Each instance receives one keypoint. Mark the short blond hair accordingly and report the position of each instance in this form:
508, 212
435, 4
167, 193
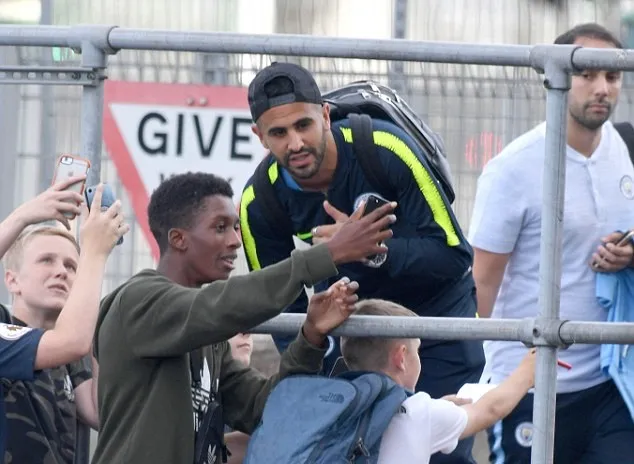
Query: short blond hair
371, 353
13, 257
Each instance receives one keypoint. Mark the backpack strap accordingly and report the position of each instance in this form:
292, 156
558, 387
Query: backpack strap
272, 209
366, 153
626, 130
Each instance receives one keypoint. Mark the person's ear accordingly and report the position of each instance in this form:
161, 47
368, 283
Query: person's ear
325, 111
11, 282
397, 356
177, 239
256, 130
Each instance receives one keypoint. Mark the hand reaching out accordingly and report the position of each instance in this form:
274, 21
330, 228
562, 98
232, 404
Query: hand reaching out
101, 229
57, 202
329, 309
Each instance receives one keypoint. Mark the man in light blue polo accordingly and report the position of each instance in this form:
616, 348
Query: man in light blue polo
593, 424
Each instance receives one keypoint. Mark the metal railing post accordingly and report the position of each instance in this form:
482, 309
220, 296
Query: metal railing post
557, 82
94, 49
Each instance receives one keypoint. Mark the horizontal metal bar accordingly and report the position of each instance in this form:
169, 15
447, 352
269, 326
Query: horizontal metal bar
452, 328
621, 333
35, 36
50, 69
613, 59
440, 328
12, 81
376, 49
57, 75
308, 45
333, 47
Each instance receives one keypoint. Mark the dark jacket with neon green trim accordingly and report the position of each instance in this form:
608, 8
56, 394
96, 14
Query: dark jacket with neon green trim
429, 260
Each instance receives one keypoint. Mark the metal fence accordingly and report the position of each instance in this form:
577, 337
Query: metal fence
547, 331
476, 116
477, 109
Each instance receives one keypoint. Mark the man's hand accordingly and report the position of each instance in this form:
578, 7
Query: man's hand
362, 236
322, 234
54, 203
612, 258
101, 230
329, 309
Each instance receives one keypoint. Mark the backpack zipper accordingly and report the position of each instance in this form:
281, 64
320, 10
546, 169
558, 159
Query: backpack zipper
358, 447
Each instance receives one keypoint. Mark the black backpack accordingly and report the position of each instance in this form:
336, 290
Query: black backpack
5, 315
626, 131
361, 101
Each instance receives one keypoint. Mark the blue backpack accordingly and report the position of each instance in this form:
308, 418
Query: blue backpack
321, 420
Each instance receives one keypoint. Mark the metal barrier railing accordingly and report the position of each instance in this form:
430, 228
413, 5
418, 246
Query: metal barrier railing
556, 62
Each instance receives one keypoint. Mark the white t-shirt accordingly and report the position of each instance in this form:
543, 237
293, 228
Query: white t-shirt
599, 199
425, 427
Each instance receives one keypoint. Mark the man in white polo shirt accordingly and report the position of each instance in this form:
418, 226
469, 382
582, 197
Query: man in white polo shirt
593, 424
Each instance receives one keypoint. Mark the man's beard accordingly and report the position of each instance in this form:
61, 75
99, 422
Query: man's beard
308, 171
592, 123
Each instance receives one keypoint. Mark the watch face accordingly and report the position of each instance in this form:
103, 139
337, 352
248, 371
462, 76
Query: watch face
376, 260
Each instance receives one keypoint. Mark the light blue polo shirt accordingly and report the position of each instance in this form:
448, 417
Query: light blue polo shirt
599, 199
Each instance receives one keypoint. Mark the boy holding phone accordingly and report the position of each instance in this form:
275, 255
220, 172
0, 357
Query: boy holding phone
56, 294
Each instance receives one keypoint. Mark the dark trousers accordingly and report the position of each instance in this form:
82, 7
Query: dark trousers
592, 426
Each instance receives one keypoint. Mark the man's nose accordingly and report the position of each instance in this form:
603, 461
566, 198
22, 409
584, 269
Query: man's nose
235, 239
61, 271
295, 142
601, 87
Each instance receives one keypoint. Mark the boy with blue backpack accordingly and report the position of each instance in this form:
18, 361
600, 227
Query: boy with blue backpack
370, 413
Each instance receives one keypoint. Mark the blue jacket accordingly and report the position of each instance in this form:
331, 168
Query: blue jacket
429, 259
615, 292
18, 349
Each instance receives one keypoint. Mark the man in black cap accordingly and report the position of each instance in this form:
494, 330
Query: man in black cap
318, 180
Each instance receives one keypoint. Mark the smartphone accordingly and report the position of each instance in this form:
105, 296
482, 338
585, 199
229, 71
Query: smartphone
68, 166
373, 203
623, 240
627, 236
107, 199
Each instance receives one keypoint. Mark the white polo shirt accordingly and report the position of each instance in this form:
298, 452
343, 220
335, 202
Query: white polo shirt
599, 199
426, 426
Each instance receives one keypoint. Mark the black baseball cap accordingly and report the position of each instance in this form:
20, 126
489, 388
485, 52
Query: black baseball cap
304, 88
